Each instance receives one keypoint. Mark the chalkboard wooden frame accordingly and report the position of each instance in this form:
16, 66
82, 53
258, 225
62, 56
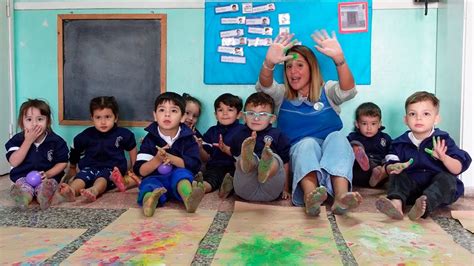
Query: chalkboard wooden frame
64, 18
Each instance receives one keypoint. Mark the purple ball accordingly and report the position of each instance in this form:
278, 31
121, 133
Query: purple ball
164, 169
33, 178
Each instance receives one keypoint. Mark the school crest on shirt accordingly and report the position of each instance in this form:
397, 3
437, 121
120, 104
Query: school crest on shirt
117, 141
50, 155
383, 142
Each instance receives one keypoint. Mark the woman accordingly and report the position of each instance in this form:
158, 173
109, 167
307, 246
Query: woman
321, 156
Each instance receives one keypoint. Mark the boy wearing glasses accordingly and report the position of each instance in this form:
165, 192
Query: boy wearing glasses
220, 164
262, 153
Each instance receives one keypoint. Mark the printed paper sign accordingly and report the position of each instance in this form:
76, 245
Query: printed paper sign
259, 30
227, 9
233, 41
259, 42
231, 50
233, 59
353, 17
258, 21
235, 20
232, 33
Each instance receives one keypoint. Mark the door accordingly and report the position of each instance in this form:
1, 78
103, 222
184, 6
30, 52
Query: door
5, 84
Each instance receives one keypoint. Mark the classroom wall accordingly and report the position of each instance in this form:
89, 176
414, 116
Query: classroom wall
403, 60
449, 58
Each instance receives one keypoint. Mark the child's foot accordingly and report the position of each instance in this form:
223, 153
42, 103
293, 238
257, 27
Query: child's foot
134, 177
64, 193
265, 164
150, 201
348, 201
46, 193
199, 177
247, 162
192, 201
90, 194
378, 174
313, 201
361, 157
387, 207
227, 186
21, 198
118, 180
417, 211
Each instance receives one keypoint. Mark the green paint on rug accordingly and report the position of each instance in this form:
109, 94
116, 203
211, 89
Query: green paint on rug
262, 251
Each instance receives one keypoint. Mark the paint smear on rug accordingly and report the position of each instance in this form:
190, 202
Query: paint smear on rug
32, 246
170, 237
275, 235
466, 218
375, 239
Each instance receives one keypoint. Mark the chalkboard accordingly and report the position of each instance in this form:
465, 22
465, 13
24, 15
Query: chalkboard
120, 55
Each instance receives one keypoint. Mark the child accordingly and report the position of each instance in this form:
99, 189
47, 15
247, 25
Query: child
98, 151
370, 146
219, 164
192, 113
262, 153
168, 142
422, 163
36, 148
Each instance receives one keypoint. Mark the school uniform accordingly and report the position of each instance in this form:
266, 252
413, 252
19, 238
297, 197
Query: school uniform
183, 145
97, 153
219, 163
40, 157
246, 185
376, 148
426, 175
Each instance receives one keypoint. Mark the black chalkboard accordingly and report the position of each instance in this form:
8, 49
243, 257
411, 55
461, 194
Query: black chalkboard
120, 55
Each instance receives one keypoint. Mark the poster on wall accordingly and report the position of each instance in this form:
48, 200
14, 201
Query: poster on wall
238, 34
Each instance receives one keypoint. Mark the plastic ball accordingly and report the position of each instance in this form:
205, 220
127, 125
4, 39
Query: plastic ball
33, 178
164, 169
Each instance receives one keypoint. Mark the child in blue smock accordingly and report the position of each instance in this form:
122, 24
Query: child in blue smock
370, 145
36, 148
423, 163
99, 153
171, 143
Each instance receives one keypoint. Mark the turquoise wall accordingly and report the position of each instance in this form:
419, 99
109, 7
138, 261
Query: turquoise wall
403, 61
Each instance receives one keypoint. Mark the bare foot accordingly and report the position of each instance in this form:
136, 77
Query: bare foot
117, 178
150, 201
417, 211
226, 186
388, 207
90, 194
247, 161
265, 165
22, 198
313, 201
64, 193
134, 177
46, 193
348, 201
378, 174
192, 201
199, 177
361, 157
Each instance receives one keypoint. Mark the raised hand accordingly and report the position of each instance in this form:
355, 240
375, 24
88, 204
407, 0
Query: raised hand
277, 50
397, 168
328, 45
439, 148
222, 146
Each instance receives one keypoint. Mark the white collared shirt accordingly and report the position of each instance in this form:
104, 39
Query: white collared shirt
169, 140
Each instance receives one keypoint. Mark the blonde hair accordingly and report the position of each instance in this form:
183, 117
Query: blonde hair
316, 78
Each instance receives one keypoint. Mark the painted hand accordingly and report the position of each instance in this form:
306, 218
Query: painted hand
439, 148
397, 168
277, 50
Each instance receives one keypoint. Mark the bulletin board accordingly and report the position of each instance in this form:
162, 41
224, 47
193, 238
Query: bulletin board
120, 55
238, 61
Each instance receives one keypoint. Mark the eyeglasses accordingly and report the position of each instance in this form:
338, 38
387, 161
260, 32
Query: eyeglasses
261, 115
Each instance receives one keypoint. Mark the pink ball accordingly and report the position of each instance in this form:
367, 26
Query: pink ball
165, 169
33, 178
